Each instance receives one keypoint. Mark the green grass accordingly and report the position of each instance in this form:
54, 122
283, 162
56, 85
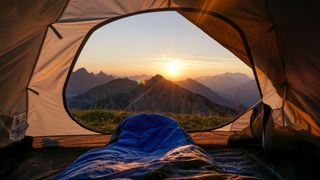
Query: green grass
106, 121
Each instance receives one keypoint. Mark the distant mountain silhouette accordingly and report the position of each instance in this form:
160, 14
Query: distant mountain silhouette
236, 88
156, 95
203, 90
224, 81
81, 80
245, 93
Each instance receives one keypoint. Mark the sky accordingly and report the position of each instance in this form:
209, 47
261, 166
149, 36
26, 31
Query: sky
157, 43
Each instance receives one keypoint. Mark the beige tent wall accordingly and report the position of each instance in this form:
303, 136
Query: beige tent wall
17, 73
79, 10
239, 124
22, 30
220, 31
270, 95
47, 115
281, 36
46, 104
298, 39
21, 33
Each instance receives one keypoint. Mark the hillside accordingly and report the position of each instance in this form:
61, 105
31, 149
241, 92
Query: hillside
200, 89
110, 94
156, 95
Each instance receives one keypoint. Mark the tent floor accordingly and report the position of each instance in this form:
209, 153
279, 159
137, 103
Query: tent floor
247, 160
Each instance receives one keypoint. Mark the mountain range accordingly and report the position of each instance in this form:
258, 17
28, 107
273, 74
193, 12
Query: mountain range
157, 94
224, 81
81, 81
245, 94
235, 90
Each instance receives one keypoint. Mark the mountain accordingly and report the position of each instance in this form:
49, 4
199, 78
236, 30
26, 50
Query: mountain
103, 77
139, 77
229, 89
111, 93
201, 89
156, 95
81, 80
224, 81
236, 88
245, 93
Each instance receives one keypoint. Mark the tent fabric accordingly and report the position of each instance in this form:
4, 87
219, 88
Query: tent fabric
265, 25
238, 124
78, 10
149, 146
278, 39
22, 30
38, 113
48, 80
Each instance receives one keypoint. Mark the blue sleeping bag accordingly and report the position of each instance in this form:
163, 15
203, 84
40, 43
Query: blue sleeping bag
145, 146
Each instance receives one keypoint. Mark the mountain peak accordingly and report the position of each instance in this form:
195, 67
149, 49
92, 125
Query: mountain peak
81, 80
101, 73
236, 75
154, 80
191, 80
82, 70
157, 77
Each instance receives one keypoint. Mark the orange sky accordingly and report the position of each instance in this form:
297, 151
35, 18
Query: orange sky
157, 43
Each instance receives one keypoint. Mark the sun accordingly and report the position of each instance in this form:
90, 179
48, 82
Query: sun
172, 69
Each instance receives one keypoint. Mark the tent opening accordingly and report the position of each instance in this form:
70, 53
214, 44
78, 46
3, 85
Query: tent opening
158, 62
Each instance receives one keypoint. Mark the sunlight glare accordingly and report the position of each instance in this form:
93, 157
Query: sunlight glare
172, 69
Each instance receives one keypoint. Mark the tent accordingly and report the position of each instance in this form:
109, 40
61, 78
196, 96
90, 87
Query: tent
40, 42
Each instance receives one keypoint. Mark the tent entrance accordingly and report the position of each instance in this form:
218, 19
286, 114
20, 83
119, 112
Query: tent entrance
176, 69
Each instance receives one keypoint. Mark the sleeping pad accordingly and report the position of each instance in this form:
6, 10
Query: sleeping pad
146, 146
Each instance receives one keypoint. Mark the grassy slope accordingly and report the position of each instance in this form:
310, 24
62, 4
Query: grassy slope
106, 121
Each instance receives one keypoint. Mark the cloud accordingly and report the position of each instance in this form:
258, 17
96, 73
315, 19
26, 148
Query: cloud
191, 62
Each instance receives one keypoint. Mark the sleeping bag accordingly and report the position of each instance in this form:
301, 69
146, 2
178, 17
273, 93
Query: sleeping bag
146, 146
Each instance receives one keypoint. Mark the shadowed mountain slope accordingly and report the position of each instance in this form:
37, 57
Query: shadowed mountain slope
155, 95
